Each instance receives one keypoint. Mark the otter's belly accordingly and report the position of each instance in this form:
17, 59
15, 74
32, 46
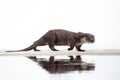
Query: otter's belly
62, 43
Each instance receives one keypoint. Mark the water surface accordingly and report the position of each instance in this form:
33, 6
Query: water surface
22, 68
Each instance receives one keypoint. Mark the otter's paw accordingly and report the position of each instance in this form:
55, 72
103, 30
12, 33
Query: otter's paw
70, 49
81, 50
55, 50
36, 50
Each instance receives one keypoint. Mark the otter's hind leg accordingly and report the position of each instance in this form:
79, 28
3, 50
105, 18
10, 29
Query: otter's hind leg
51, 45
71, 47
51, 39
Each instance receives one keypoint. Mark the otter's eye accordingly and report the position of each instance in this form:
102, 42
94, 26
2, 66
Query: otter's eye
92, 39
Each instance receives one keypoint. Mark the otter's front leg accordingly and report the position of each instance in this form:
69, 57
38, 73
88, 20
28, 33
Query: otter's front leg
71, 43
79, 48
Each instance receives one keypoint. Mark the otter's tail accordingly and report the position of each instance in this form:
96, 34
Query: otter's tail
39, 42
26, 49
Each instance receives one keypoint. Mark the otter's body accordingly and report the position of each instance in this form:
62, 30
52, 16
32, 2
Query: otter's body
61, 37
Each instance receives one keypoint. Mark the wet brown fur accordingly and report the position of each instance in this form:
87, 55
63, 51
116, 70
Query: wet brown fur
61, 37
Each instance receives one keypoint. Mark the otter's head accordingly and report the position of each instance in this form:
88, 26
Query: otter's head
90, 38
86, 37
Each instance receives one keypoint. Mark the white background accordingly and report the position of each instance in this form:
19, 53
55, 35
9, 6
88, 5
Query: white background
24, 21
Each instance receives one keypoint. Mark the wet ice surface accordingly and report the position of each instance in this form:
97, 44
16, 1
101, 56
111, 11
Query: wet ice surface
22, 68
63, 65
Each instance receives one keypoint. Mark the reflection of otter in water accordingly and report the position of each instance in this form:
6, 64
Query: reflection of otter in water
62, 37
64, 65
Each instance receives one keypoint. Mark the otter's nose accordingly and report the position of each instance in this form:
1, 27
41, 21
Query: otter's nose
93, 40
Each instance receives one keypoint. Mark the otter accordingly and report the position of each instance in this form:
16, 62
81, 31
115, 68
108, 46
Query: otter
61, 37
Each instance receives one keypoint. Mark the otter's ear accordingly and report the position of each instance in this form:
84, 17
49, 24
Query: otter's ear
82, 35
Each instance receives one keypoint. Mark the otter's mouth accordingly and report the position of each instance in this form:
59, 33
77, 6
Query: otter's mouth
92, 41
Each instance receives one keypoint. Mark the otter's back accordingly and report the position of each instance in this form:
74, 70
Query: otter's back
62, 36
